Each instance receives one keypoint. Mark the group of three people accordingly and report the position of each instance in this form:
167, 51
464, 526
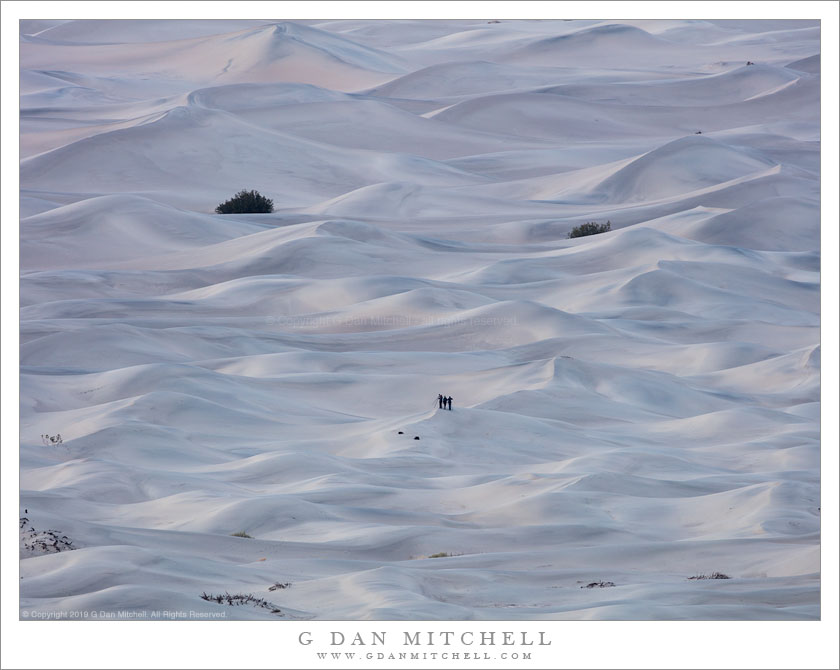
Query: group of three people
444, 402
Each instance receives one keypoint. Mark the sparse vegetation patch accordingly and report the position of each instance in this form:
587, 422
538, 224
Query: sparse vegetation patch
246, 202
37, 542
600, 585
241, 599
589, 228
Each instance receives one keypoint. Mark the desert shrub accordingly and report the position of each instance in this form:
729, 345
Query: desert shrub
279, 585
42, 541
589, 228
445, 554
599, 584
240, 533
246, 202
714, 575
240, 599
440, 554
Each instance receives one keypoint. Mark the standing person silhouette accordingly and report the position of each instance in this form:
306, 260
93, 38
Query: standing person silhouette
440, 401
449, 402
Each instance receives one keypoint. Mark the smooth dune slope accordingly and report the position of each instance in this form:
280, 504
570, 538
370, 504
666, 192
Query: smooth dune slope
239, 398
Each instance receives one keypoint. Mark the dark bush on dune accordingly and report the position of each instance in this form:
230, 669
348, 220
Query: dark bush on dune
589, 228
598, 584
241, 599
246, 202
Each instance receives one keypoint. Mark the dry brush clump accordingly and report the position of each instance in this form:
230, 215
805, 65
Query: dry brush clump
600, 585
39, 542
240, 599
589, 228
445, 554
714, 575
246, 202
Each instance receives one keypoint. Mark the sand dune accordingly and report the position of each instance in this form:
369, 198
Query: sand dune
68, 236
608, 43
639, 406
121, 160
463, 79
736, 85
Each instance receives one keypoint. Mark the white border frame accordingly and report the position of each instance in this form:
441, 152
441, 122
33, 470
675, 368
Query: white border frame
274, 645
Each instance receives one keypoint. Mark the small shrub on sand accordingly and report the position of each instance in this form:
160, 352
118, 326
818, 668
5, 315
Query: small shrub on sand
240, 599
37, 542
246, 202
600, 585
589, 228
240, 533
714, 575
